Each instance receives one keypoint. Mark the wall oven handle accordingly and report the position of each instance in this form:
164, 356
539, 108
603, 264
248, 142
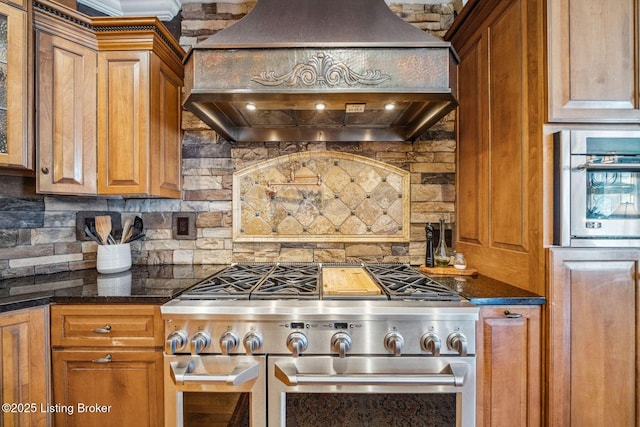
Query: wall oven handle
182, 373
289, 375
609, 166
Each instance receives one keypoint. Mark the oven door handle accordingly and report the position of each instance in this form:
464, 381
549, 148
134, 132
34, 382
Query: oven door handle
182, 373
590, 165
289, 375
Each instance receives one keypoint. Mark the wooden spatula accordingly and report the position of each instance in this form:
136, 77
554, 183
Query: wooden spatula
126, 230
103, 227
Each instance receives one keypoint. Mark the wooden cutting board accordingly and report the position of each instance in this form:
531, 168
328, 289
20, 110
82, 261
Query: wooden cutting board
348, 281
448, 271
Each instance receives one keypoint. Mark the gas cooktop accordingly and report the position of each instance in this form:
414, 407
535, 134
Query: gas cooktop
303, 281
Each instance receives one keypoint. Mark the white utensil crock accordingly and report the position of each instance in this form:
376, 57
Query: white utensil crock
113, 258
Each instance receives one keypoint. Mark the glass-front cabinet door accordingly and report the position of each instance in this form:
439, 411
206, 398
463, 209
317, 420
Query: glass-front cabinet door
15, 97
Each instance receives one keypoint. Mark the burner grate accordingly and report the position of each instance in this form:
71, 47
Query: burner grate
403, 282
269, 281
235, 282
290, 281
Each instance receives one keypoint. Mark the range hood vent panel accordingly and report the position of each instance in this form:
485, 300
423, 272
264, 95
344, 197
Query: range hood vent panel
285, 57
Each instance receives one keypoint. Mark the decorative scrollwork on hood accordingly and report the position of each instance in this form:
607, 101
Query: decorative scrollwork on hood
321, 70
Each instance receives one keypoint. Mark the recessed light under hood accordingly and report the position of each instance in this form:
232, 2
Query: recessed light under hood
378, 77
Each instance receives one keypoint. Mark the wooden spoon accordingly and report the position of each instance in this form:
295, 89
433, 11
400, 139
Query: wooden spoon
103, 227
126, 230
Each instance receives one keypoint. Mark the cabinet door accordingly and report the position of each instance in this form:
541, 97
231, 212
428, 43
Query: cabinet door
125, 386
165, 144
509, 366
593, 338
123, 122
499, 167
16, 142
24, 365
66, 96
593, 61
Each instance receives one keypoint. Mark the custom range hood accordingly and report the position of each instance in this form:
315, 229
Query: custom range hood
267, 77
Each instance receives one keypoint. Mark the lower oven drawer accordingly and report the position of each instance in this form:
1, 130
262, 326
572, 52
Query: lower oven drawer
215, 390
379, 390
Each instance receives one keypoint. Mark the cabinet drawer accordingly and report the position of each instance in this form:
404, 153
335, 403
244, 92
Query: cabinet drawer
111, 325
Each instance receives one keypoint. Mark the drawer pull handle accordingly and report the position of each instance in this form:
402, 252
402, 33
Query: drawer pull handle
105, 359
511, 315
105, 330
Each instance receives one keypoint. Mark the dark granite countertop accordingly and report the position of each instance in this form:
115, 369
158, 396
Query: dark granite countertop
483, 290
157, 284
143, 284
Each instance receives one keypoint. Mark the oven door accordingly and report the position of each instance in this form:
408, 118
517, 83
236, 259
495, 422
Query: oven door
604, 200
378, 390
214, 390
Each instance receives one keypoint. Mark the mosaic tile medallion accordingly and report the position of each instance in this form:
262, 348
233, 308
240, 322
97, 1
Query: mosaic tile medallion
321, 196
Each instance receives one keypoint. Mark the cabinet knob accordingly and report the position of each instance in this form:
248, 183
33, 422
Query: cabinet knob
45, 170
511, 315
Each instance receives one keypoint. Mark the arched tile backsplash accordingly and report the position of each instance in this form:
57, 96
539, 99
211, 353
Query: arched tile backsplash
322, 196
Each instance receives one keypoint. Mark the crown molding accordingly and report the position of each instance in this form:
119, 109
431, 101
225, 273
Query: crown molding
165, 10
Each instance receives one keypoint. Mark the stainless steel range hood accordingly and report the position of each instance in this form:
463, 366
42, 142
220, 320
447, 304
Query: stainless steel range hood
355, 57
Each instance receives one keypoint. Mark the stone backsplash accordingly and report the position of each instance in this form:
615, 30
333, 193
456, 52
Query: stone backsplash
38, 233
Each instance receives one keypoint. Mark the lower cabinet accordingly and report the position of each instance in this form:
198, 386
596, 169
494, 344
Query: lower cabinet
24, 367
107, 365
509, 366
108, 387
594, 341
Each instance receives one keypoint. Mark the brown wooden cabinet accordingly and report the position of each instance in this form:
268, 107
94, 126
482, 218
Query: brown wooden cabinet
108, 97
24, 366
509, 366
593, 61
66, 123
594, 322
110, 356
499, 162
134, 158
16, 111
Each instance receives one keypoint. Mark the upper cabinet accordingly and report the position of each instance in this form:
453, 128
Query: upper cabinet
66, 120
108, 102
16, 94
593, 61
499, 167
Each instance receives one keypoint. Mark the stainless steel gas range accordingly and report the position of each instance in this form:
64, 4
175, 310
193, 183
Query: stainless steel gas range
267, 344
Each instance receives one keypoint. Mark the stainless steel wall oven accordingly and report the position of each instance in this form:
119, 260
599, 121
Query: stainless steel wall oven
597, 185
265, 341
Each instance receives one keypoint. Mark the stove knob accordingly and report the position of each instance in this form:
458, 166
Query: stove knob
341, 343
456, 341
297, 343
252, 342
175, 341
430, 342
200, 341
393, 342
228, 342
